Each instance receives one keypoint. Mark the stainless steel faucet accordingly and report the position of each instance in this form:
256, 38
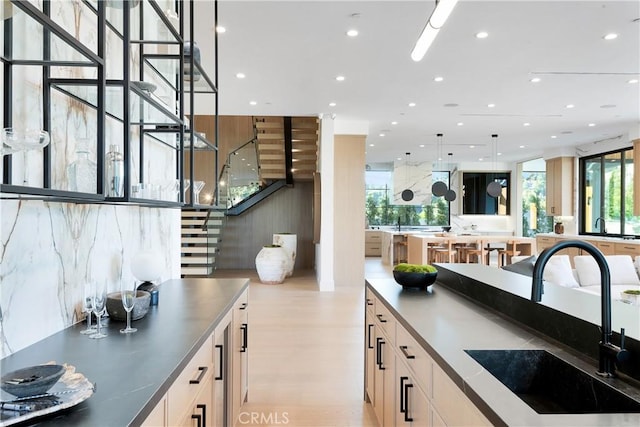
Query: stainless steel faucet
603, 227
609, 353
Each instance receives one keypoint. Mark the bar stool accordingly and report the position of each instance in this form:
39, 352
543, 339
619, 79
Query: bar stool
446, 253
504, 255
476, 251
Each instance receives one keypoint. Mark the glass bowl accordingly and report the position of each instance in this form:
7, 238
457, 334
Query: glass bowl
25, 139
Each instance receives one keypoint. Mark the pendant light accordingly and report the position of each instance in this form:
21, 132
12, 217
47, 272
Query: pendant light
407, 195
439, 188
450, 195
494, 189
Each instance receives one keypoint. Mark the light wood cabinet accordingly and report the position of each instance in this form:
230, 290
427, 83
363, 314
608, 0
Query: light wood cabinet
158, 416
409, 388
222, 354
373, 243
544, 242
240, 359
607, 248
627, 249
560, 186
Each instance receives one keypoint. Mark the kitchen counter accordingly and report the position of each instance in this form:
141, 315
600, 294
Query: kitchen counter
445, 324
132, 372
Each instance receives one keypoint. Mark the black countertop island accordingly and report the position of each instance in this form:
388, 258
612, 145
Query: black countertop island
133, 371
446, 324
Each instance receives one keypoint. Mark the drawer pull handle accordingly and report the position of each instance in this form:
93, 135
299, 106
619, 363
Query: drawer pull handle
369, 302
203, 371
243, 306
407, 418
379, 343
369, 336
220, 362
197, 417
204, 414
379, 316
403, 349
245, 340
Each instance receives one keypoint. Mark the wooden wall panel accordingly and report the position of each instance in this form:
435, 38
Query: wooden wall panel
349, 166
289, 210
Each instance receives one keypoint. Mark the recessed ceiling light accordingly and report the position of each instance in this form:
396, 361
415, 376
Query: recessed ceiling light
352, 33
535, 80
460, 124
591, 125
372, 145
340, 78
332, 104
482, 35
472, 146
553, 136
522, 146
491, 105
394, 123
382, 134
632, 81
421, 145
438, 79
399, 158
569, 106
610, 36
526, 124
480, 159
412, 104
240, 75
499, 154
253, 103
221, 29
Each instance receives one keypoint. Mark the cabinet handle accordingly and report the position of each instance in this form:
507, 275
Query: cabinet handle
197, 417
203, 370
369, 302
407, 418
379, 343
630, 248
221, 362
402, 401
243, 306
204, 414
245, 332
379, 316
369, 336
403, 349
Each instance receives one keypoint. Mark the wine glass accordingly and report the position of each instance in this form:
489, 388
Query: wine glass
99, 307
186, 187
87, 307
197, 188
25, 140
128, 292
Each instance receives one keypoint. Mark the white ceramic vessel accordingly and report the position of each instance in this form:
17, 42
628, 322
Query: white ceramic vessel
289, 243
271, 264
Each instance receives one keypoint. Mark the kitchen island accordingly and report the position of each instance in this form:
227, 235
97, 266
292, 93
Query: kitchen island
133, 373
444, 324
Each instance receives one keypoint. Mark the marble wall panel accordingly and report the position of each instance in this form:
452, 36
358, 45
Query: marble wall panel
414, 176
49, 250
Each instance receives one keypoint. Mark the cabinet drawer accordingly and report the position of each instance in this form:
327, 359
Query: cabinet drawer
190, 382
373, 249
373, 236
607, 248
386, 321
415, 357
627, 249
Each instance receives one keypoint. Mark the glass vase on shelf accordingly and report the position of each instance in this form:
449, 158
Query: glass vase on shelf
83, 171
115, 172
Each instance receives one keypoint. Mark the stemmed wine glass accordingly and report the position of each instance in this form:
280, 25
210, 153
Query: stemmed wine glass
186, 187
197, 187
87, 307
99, 307
25, 140
128, 292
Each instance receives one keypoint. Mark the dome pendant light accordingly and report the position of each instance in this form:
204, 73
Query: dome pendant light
439, 188
494, 189
450, 195
407, 195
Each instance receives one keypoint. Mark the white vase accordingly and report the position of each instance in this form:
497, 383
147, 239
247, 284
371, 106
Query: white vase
271, 264
289, 243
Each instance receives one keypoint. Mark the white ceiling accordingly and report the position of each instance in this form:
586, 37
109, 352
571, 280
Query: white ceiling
291, 52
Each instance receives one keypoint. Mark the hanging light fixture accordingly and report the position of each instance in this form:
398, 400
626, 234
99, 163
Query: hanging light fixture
450, 195
437, 19
407, 195
494, 189
439, 188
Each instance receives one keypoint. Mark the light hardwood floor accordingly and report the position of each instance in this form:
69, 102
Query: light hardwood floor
306, 363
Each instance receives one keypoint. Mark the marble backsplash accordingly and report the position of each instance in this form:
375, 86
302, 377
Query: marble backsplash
50, 249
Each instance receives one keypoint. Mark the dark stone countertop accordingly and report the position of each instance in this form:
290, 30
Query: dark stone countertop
132, 372
446, 323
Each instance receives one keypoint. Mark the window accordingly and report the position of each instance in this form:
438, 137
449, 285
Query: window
534, 199
606, 194
380, 211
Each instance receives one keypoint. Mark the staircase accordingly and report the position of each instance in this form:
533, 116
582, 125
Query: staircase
200, 247
272, 139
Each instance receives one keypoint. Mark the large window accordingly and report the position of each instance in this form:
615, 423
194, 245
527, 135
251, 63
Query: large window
606, 194
380, 210
534, 197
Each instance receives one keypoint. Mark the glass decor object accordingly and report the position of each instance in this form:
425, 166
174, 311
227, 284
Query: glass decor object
25, 140
82, 173
197, 188
191, 48
128, 293
115, 172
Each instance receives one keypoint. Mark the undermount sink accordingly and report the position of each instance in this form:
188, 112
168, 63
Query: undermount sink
550, 385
